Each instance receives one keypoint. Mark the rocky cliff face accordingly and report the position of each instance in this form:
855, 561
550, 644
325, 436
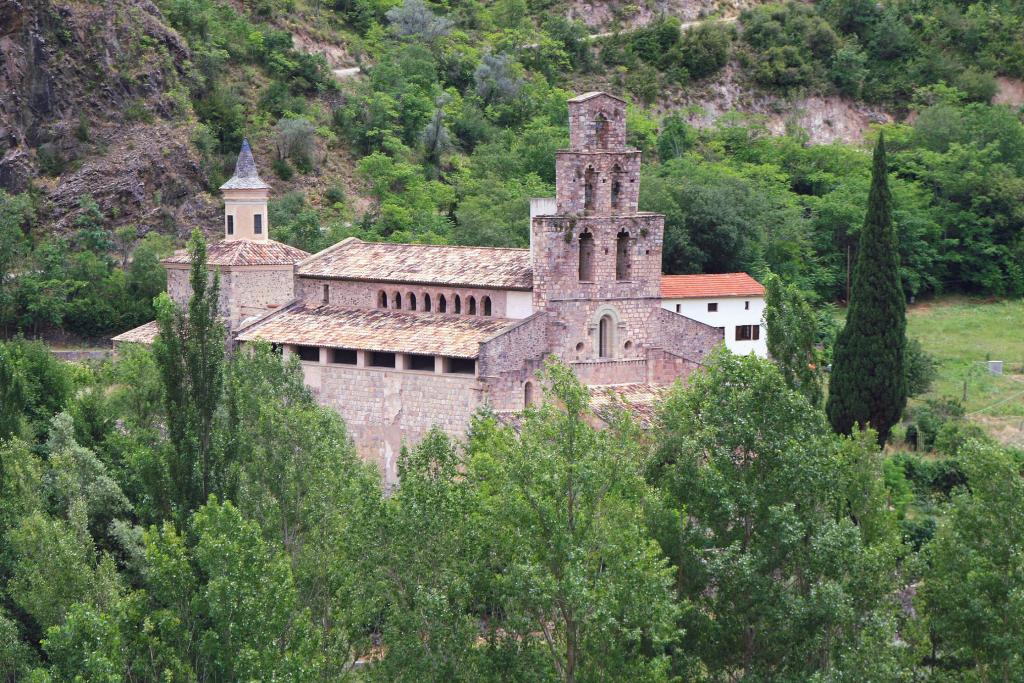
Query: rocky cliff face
93, 100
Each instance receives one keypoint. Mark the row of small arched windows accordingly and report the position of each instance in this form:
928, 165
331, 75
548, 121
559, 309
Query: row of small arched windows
410, 302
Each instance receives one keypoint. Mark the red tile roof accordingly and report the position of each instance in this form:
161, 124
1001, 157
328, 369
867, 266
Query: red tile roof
704, 286
424, 264
245, 253
377, 330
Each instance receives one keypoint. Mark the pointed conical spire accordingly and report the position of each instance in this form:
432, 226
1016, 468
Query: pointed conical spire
246, 177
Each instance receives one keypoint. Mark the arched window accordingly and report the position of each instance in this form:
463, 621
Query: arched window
486, 304
442, 304
601, 131
587, 257
458, 304
622, 264
616, 185
426, 301
528, 394
398, 300
604, 336
471, 305
589, 178
411, 299
382, 299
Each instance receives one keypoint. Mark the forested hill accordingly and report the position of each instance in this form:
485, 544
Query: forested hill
437, 121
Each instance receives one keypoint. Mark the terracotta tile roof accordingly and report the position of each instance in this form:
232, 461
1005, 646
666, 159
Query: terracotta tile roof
245, 253
701, 286
425, 264
143, 334
641, 400
377, 330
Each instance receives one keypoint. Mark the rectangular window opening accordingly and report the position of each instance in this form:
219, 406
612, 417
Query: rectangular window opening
310, 354
419, 361
461, 366
327, 294
257, 224
380, 359
748, 332
679, 308
713, 308
231, 225
343, 356
746, 305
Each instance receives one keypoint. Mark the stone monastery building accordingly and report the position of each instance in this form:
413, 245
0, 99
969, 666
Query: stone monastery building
401, 337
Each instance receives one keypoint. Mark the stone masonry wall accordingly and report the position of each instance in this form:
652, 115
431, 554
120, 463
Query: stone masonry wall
510, 360
684, 336
385, 409
355, 294
243, 291
557, 257
604, 168
583, 128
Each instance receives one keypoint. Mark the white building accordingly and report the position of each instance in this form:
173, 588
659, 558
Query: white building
733, 302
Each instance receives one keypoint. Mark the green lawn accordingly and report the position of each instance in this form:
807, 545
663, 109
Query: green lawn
964, 333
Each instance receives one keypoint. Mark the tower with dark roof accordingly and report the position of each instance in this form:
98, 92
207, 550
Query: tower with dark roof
245, 200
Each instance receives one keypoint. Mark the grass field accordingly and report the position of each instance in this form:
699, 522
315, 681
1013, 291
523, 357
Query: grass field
964, 333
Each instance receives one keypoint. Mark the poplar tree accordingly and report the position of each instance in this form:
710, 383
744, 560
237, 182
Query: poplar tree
189, 352
868, 384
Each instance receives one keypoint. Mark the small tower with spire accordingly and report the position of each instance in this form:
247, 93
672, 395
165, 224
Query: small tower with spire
245, 200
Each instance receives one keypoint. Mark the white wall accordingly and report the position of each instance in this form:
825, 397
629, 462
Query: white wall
732, 311
518, 304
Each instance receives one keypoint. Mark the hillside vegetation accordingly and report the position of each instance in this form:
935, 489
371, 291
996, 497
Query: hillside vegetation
128, 117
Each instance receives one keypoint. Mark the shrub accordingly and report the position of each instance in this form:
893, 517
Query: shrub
282, 169
920, 367
704, 50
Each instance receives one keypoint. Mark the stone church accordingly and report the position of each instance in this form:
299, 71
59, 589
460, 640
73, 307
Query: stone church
401, 337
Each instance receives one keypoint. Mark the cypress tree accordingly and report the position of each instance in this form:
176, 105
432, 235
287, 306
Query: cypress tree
868, 385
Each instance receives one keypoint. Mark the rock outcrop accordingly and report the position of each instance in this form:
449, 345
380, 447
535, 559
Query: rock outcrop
93, 101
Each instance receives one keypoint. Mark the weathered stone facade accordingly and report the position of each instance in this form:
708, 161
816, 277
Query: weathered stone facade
377, 344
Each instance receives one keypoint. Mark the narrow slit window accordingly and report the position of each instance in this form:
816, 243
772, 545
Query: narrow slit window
412, 301
471, 305
426, 302
442, 304
586, 257
397, 298
231, 225
257, 224
326, 298
589, 178
604, 337
458, 304
382, 299
486, 303
623, 267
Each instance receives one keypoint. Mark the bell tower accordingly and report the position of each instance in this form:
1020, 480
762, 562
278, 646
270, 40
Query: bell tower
596, 244
245, 201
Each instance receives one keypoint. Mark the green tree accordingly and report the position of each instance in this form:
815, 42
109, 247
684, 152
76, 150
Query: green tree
189, 351
16, 214
973, 588
792, 338
256, 627
564, 507
868, 385
767, 523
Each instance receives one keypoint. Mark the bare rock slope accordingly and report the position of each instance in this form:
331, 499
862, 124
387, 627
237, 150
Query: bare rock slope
92, 100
